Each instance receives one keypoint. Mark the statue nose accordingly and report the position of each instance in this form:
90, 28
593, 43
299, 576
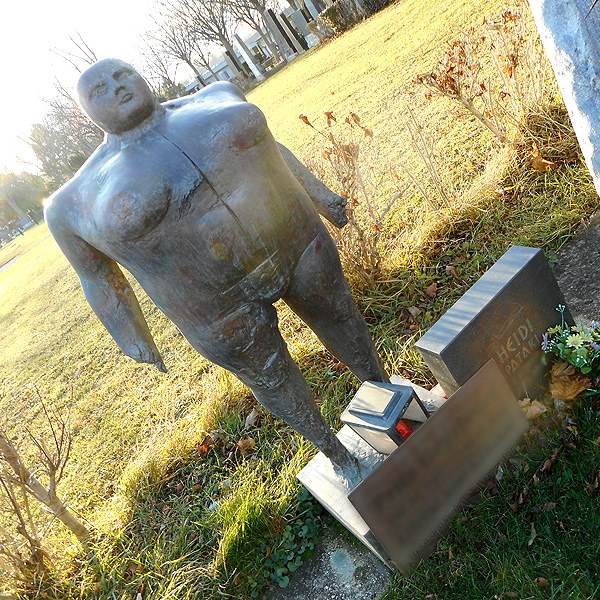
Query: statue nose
119, 89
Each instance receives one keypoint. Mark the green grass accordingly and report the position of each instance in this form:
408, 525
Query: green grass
23, 243
183, 516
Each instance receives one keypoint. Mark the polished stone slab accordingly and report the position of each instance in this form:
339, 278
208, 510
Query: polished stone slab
409, 497
502, 316
319, 478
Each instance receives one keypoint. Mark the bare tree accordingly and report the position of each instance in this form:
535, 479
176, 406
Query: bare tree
203, 56
173, 38
80, 58
157, 72
64, 139
53, 458
207, 20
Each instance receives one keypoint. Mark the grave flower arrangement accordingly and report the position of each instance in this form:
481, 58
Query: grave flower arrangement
574, 353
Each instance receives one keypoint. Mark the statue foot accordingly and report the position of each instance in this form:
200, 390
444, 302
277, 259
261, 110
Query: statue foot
349, 472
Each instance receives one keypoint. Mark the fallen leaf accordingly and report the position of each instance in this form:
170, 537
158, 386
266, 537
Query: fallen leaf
414, 311
355, 118
451, 270
237, 580
566, 383
431, 290
179, 487
549, 505
550, 462
541, 582
246, 444
450, 553
196, 487
532, 535
268, 552
330, 118
532, 408
492, 486
251, 418
203, 449
305, 120
368, 132
541, 164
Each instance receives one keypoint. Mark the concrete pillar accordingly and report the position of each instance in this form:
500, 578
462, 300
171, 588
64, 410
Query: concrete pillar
247, 56
291, 34
233, 66
300, 22
571, 38
312, 9
285, 48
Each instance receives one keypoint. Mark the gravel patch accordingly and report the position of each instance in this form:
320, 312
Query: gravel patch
341, 569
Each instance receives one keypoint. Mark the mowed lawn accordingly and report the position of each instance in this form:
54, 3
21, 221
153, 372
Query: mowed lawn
137, 433
50, 339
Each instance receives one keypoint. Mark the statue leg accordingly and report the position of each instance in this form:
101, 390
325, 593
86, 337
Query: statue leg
319, 294
248, 343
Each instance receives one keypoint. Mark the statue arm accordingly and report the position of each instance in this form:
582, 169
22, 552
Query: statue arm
110, 296
330, 205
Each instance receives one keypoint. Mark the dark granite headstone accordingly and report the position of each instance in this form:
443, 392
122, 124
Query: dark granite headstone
502, 316
407, 499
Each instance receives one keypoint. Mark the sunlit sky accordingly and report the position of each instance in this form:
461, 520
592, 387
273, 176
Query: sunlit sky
29, 31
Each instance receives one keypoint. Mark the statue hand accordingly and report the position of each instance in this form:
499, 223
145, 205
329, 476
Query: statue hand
337, 211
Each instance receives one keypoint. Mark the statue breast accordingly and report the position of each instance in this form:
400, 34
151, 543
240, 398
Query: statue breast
136, 187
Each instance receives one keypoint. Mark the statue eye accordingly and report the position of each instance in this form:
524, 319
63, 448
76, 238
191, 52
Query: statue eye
99, 90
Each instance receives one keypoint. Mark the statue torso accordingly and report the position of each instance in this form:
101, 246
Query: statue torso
202, 197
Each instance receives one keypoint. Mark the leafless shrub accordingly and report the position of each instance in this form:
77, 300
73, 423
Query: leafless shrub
21, 553
358, 242
502, 96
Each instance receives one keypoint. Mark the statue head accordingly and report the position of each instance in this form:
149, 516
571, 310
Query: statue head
115, 96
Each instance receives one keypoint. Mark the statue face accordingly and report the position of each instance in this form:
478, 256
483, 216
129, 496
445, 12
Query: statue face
115, 96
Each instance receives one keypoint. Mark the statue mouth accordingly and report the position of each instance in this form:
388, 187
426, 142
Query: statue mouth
126, 98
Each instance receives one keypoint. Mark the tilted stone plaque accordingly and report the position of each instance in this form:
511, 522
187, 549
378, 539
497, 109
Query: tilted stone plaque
407, 500
502, 316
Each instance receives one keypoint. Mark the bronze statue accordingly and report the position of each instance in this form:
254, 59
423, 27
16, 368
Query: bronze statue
215, 220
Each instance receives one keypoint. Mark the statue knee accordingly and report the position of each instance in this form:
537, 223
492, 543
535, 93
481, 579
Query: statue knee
249, 344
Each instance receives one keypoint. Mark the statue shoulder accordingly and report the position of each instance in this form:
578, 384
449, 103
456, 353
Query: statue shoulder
61, 207
213, 92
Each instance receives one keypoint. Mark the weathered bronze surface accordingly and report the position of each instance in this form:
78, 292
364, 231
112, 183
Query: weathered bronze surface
216, 221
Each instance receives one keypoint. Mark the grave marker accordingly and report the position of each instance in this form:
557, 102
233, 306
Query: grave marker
406, 501
502, 317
